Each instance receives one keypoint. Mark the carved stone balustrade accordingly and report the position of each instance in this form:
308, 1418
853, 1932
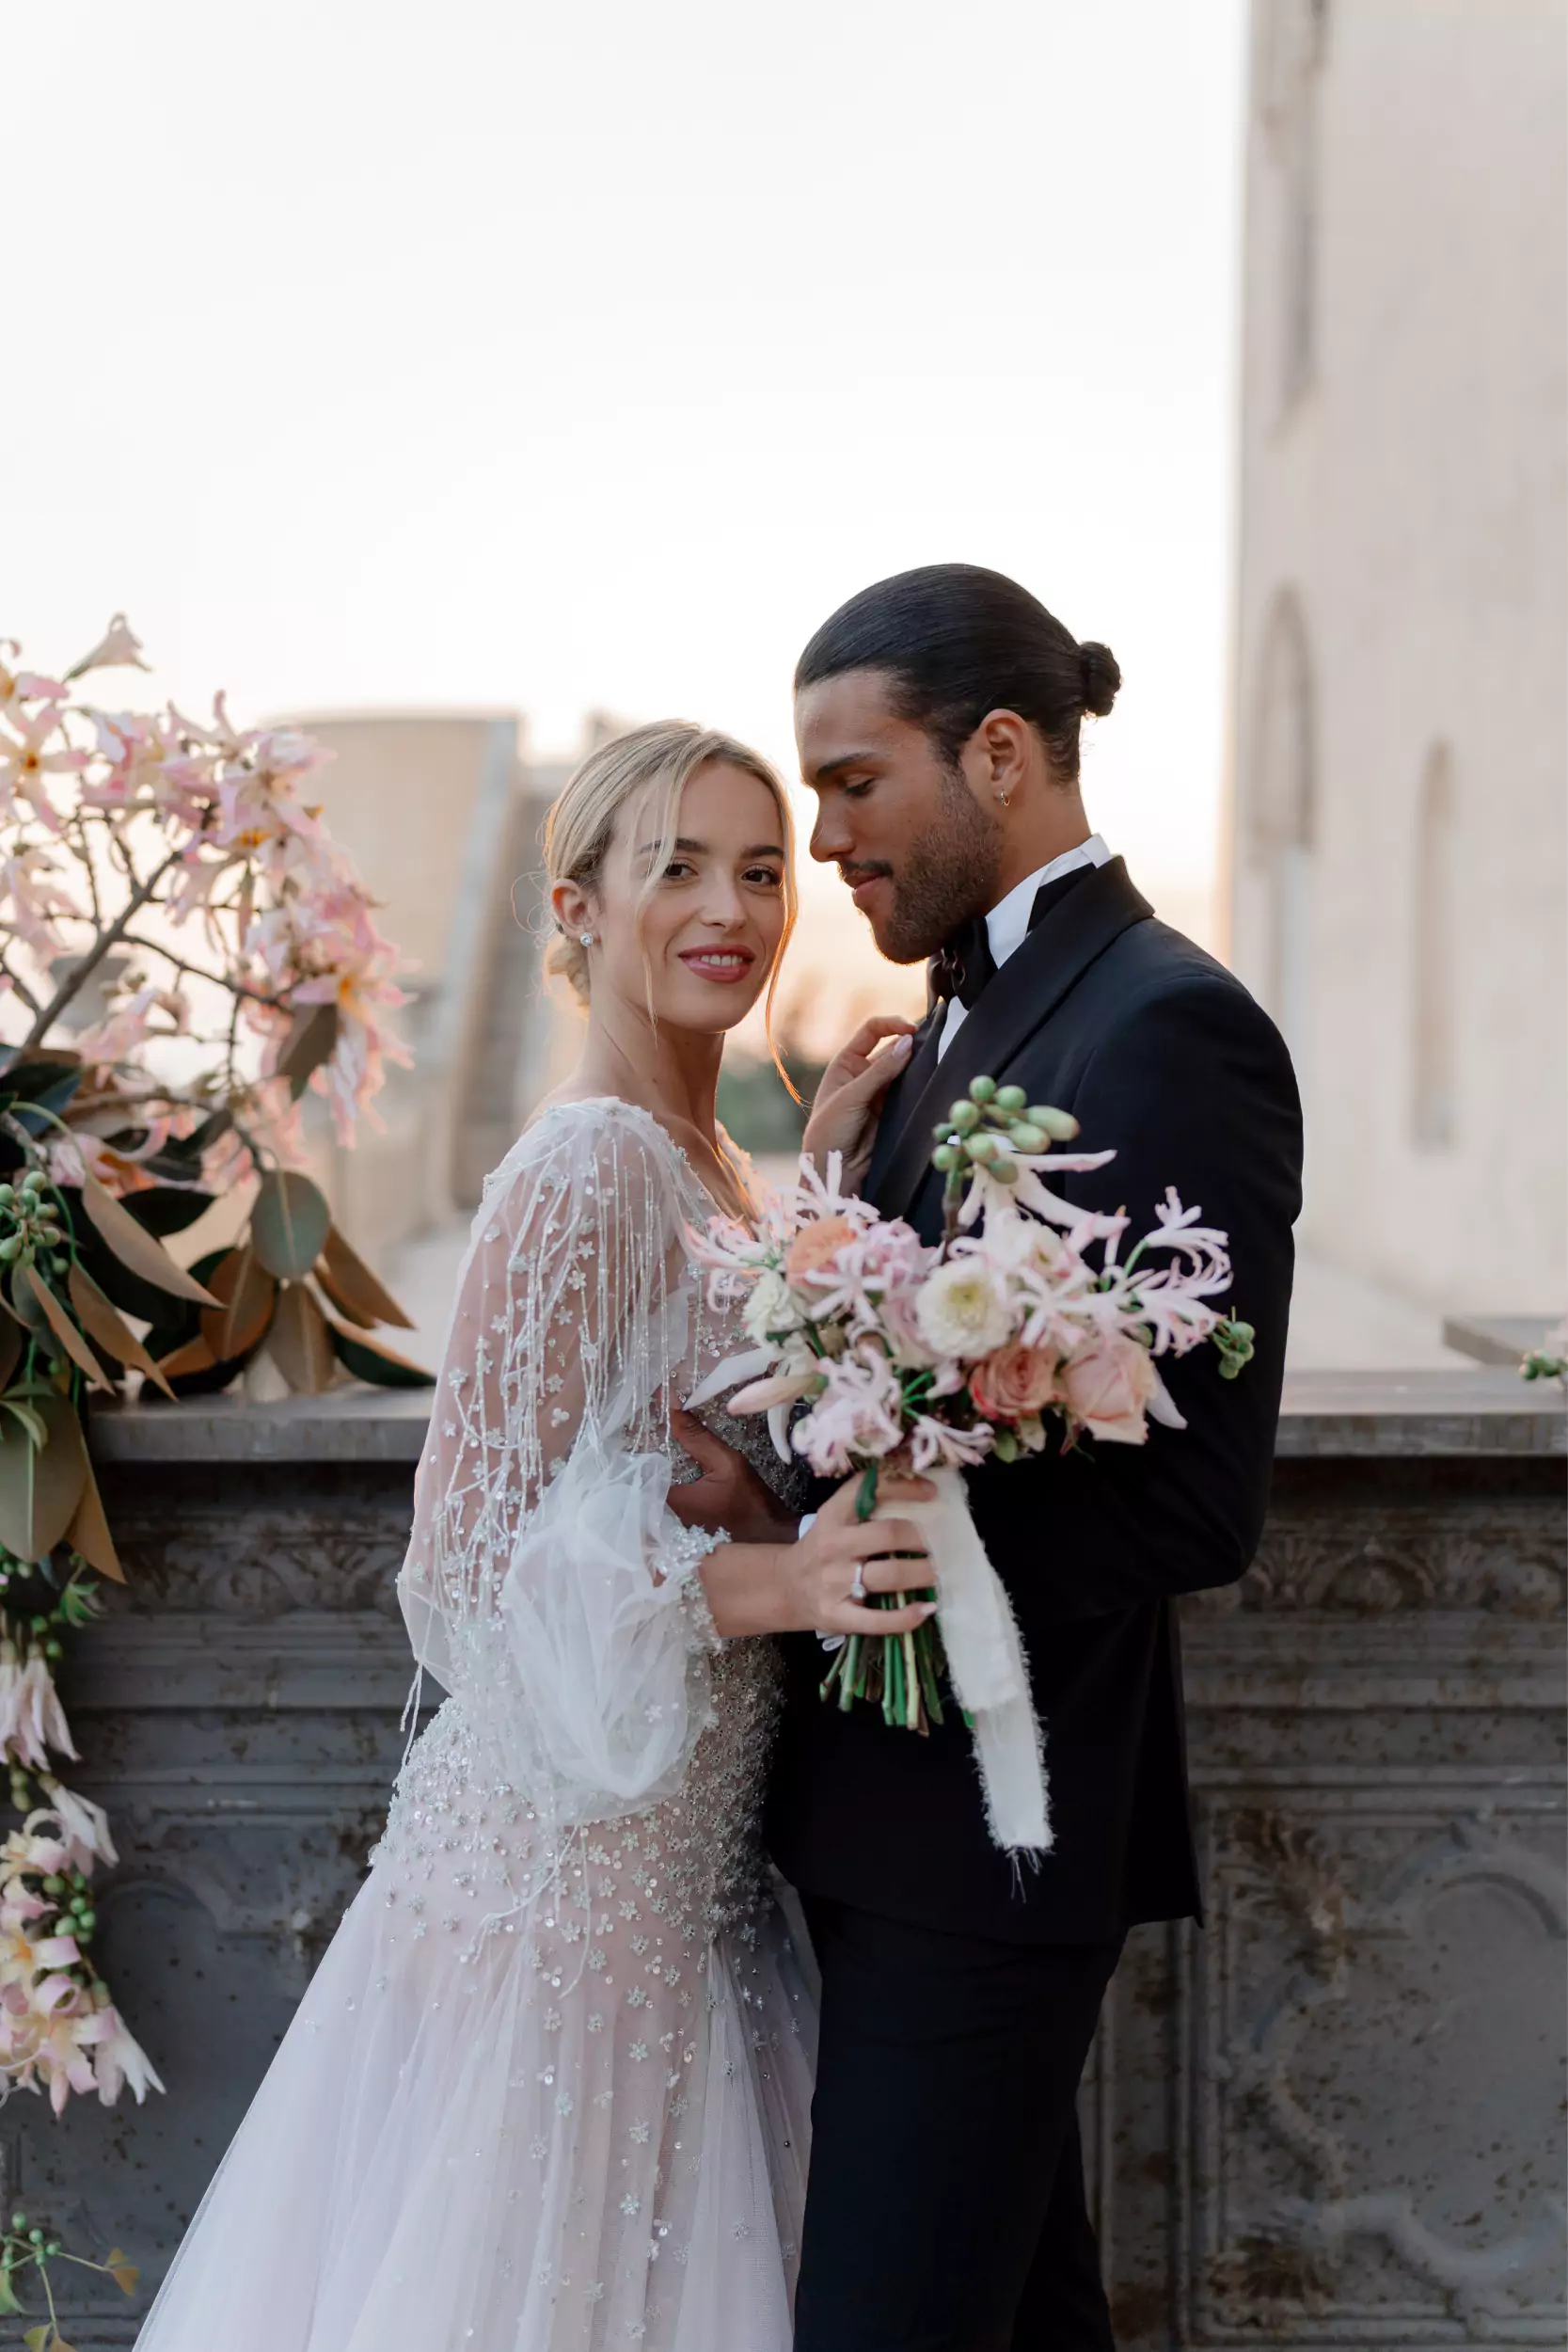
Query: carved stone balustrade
1333, 2118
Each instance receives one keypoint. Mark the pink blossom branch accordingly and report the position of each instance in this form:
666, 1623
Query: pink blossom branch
77, 978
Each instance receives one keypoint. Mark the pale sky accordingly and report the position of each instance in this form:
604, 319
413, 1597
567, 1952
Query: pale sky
378, 355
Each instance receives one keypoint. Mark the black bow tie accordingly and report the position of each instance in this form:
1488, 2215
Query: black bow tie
964, 963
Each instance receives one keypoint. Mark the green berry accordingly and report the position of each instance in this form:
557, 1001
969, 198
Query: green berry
34, 2237
1026, 1136
11, 1249
965, 1118
982, 1148
1060, 1126
87, 1922
19, 2219
8, 1195
53, 1885
942, 1132
945, 1157
981, 1090
1004, 1171
1010, 1098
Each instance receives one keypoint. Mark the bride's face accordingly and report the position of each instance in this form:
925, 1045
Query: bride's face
711, 927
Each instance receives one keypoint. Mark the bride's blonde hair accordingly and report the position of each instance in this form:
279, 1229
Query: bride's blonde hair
655, 763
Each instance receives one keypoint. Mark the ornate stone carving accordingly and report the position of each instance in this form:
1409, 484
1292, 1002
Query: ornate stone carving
1375, 2071
1374, 1561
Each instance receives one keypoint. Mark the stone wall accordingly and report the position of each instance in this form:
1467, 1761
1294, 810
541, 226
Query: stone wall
1333, 2118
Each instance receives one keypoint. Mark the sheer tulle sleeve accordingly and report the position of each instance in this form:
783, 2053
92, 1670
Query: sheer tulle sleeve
548, 1584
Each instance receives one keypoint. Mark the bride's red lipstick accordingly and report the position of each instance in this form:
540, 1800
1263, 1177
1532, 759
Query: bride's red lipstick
722, 965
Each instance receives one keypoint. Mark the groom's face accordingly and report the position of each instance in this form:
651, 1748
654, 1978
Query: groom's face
918, 847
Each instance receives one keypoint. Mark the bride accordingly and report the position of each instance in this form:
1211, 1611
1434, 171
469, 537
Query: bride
549, 2089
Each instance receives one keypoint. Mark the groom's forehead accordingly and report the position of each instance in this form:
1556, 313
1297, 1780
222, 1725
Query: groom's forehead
847, 722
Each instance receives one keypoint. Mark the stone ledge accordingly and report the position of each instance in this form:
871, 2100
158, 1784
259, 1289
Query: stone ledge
1330, 1414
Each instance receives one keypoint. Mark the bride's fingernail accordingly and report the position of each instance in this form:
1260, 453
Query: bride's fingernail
901, 1046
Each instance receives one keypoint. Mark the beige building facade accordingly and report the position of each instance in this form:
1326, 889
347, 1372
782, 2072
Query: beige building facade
1397, 827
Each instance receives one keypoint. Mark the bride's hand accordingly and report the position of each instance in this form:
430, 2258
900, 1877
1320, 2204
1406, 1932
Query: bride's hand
849, 1101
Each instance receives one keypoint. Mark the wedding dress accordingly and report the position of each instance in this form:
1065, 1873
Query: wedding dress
549, 2089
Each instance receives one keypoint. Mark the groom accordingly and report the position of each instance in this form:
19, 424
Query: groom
938, 719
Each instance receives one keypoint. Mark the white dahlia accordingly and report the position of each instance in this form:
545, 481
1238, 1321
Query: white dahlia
964, 1310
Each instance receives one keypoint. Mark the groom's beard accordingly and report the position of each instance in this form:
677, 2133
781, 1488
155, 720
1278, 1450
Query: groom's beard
949, 874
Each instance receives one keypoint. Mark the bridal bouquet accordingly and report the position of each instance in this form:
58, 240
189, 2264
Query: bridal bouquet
1030, 1318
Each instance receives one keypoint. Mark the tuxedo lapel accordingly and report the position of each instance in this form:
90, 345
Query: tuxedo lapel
907, 1087
1023, 994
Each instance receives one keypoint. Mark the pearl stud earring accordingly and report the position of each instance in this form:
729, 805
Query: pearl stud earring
585, 939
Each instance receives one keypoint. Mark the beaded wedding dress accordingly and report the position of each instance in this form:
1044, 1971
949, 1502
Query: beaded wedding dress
549, 2089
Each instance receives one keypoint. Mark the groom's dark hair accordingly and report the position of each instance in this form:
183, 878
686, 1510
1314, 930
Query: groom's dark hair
957, 642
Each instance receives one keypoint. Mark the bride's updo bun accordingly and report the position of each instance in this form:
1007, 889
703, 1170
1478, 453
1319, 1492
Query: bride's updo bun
652, 765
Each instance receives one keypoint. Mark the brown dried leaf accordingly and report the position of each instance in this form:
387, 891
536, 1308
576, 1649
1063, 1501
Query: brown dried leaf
124, 2274
248, 1291
65, 1330
102, 1322
136, 1247
90, 1534
195, 1356
299, 1342
352, 1288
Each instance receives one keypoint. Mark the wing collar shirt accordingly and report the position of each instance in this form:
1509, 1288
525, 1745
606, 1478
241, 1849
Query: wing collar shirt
1007, 924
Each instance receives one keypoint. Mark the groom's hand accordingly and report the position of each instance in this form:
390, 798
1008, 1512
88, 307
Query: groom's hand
729, 1494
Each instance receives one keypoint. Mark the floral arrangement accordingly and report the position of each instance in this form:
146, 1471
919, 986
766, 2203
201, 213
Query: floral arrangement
874, 1350
183, 949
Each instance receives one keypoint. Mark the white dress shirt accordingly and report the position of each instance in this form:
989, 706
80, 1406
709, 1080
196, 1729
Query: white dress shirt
1007, 924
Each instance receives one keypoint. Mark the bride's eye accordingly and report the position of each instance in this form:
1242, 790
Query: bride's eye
763, 876
678, 868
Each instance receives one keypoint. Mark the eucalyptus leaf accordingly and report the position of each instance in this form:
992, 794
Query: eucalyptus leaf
40, 1486
288, 1223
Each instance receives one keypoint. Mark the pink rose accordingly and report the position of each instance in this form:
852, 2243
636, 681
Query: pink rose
1107, 1388
1013, 1382
815, 1246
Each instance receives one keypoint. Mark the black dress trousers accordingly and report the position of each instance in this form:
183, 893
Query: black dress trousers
946, 2210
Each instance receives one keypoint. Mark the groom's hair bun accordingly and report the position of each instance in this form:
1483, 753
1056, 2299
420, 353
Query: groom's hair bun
957, 642
1101, 674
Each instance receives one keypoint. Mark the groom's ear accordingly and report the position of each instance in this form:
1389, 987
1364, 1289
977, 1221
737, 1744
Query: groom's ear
1000, 758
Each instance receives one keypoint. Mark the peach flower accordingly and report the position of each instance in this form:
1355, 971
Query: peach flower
1108, 1387
1013, 1382
815, 1246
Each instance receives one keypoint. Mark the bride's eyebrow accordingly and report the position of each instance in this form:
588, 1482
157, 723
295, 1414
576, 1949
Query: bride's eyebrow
700, 849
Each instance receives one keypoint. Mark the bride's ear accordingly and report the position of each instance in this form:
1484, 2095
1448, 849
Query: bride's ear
573, 909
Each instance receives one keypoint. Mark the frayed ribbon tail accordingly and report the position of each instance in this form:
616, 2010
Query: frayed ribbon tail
986, 1663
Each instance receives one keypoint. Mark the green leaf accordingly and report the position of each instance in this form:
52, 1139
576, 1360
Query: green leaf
31, 1080
167, 1208
40, 1486
8, 2295
289, 1224
369, 1360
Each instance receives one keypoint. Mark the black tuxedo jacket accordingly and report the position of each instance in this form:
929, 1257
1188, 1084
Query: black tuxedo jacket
1162, 1054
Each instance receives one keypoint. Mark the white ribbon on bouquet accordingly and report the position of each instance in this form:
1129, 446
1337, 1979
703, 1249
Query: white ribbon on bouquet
985, 1667
979, 1633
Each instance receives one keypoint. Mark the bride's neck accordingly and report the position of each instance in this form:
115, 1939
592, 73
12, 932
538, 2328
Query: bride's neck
673, 1072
